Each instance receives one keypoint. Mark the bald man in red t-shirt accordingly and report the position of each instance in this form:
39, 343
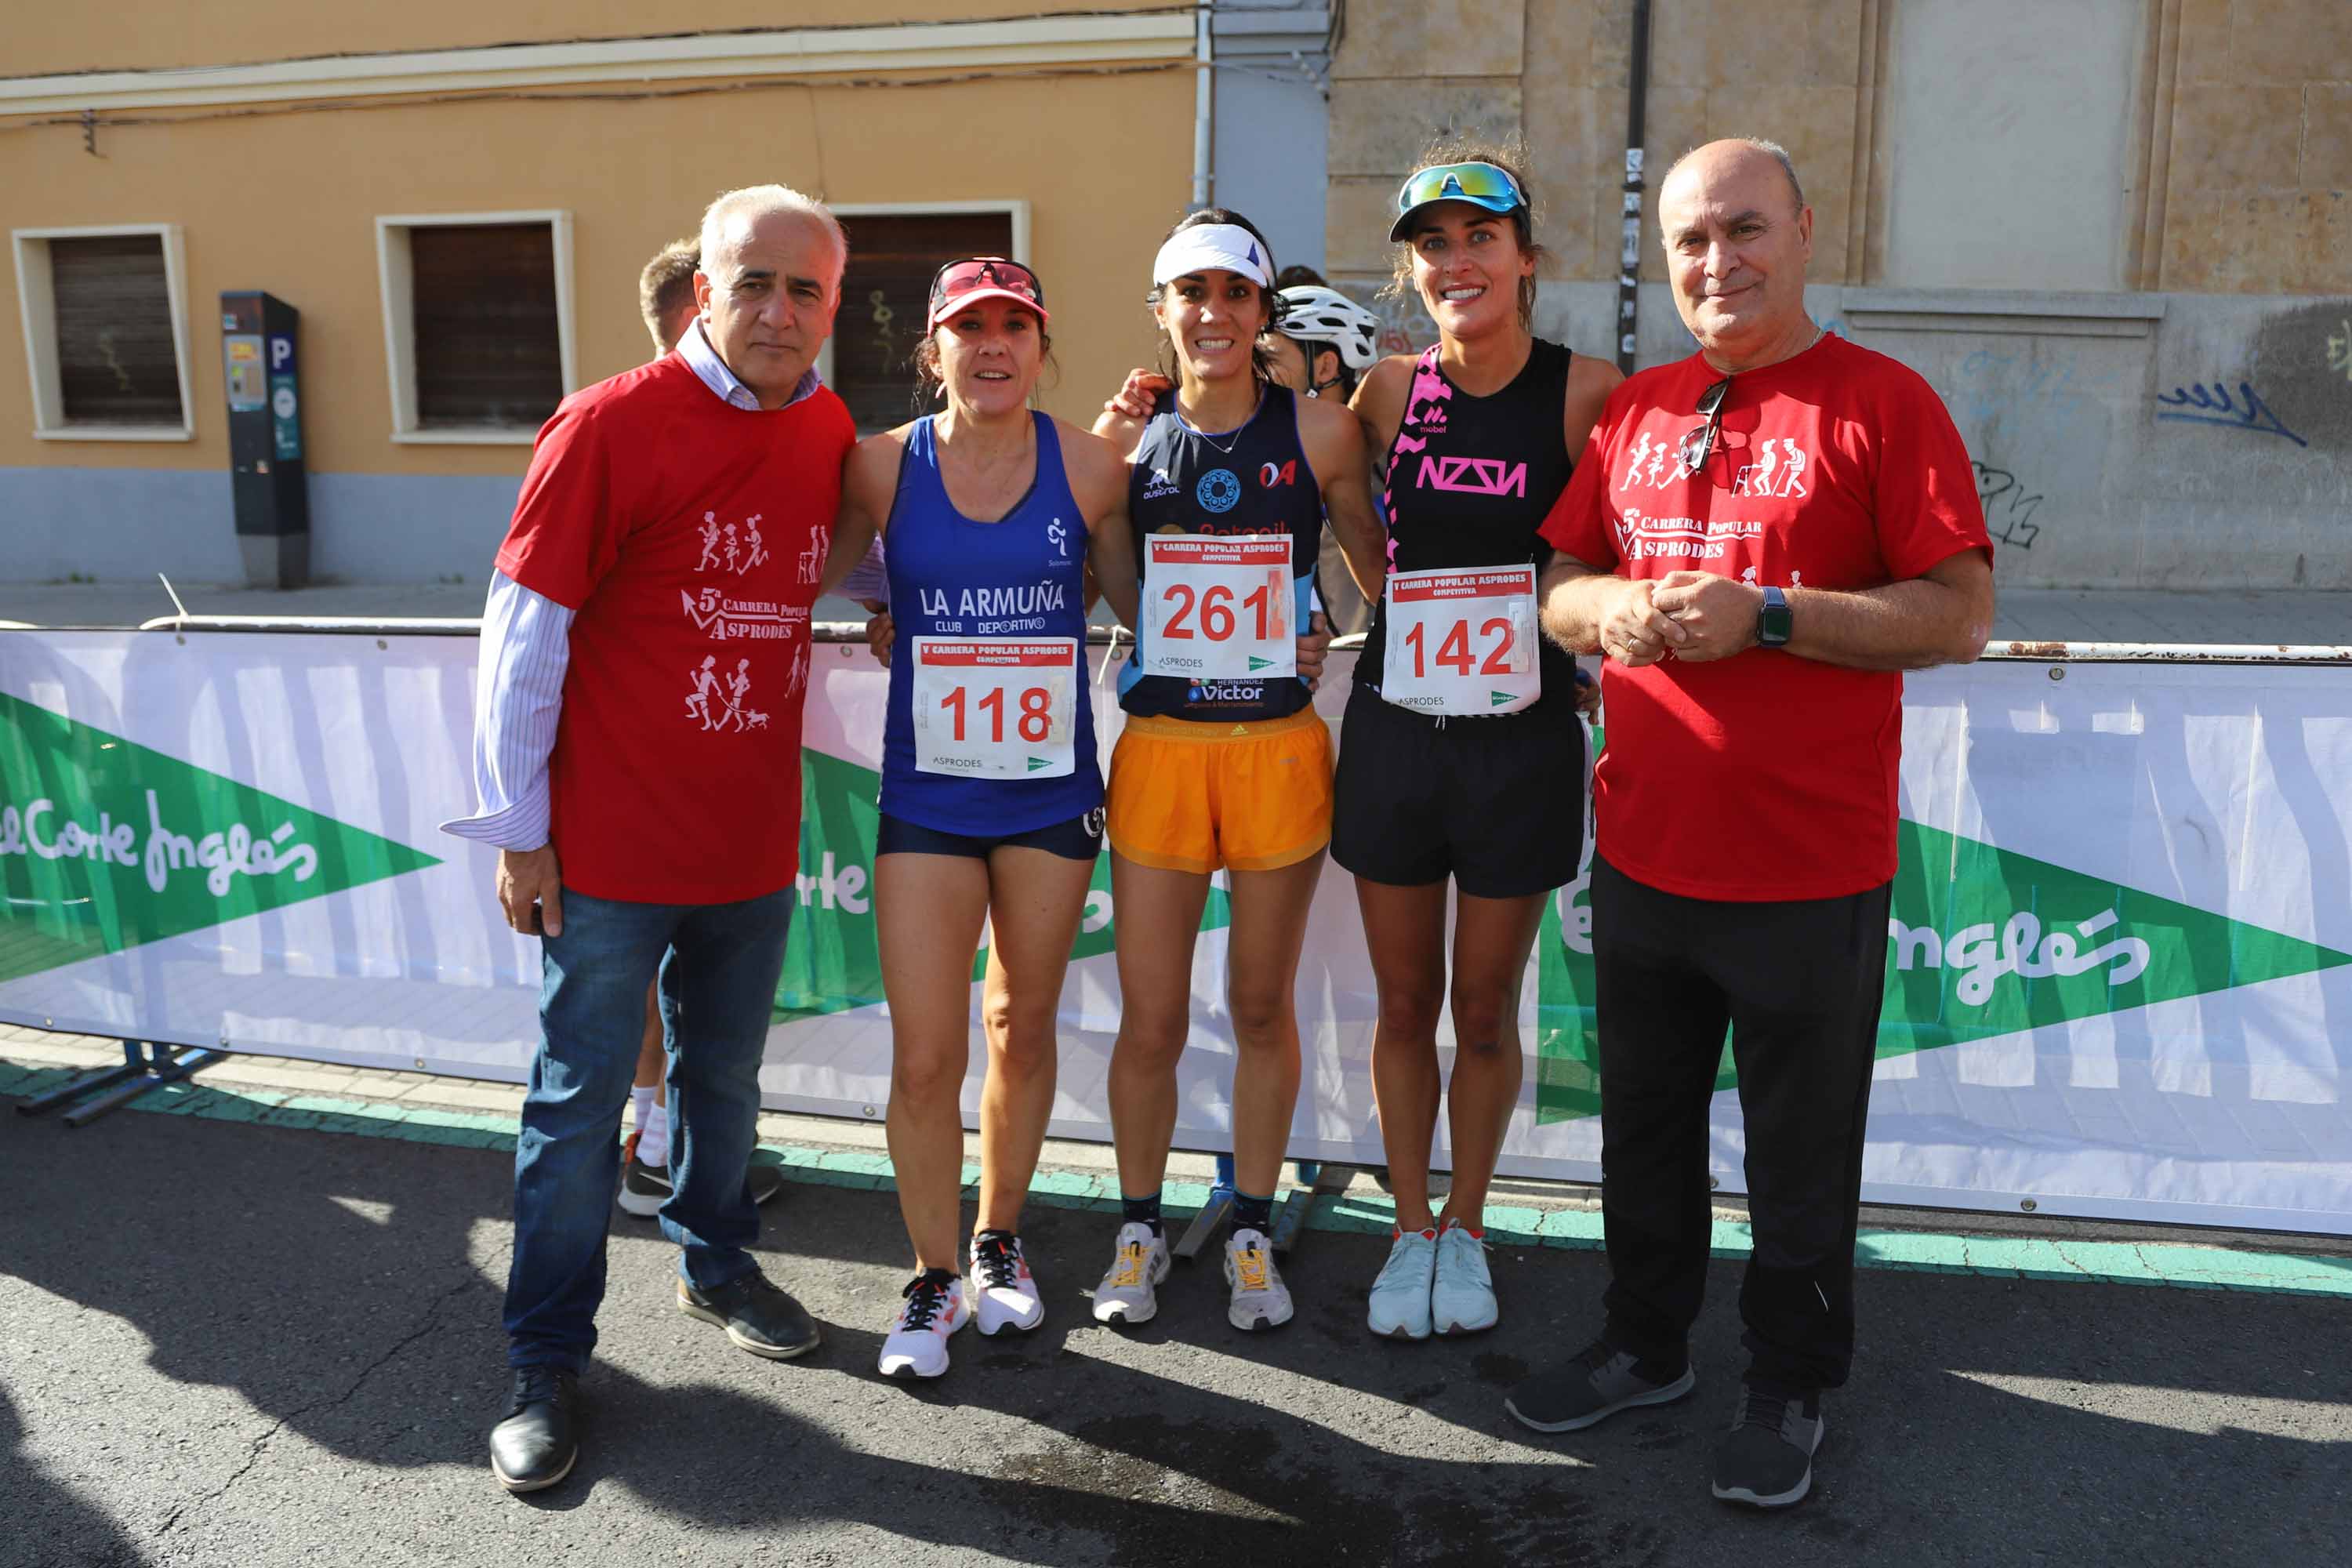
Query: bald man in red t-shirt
1761, 537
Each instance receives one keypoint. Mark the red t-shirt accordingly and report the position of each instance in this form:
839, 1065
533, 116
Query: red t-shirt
1764, 776
689, 535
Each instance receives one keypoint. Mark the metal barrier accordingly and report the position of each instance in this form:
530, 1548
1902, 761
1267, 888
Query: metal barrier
2003, 649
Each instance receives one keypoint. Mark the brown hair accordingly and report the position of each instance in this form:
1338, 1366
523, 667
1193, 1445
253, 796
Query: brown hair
667, 283
1508, 154
1261, 366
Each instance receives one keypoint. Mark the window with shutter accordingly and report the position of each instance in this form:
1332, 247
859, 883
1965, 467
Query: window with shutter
476, 324
884, 293
487, 348
112, 302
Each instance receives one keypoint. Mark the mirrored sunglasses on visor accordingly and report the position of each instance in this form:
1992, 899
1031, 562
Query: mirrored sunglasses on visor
978, 278
1481, 185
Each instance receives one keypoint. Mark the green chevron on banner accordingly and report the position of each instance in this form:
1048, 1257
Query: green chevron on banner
106, 844
832, 960
1982, 942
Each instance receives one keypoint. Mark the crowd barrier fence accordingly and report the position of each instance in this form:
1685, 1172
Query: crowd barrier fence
2120, 961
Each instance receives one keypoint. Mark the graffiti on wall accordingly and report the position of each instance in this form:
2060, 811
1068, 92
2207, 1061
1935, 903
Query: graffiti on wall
2199, 403
2008, 508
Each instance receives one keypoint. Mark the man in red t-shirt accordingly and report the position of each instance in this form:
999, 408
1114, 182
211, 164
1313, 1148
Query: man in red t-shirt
644, 662
1761, 537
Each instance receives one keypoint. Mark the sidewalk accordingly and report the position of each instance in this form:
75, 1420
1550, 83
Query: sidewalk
2031, 614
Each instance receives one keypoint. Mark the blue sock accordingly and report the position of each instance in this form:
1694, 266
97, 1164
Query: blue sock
1141, 1210
1252, 1213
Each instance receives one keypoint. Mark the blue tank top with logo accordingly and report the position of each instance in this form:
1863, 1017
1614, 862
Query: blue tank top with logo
1020, 577
1256, 480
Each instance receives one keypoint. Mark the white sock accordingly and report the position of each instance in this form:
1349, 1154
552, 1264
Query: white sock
652, 1120
653, 1145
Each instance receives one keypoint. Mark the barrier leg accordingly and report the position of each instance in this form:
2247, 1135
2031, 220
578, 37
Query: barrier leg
165, 1064
145, 1064
1318, 1179
1213, 1213
133, 1066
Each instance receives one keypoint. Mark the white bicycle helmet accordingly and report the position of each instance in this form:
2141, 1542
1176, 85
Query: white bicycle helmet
1314, 314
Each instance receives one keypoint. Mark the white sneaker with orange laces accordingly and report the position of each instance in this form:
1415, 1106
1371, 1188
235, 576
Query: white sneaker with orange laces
1128, 1294
1260, 1300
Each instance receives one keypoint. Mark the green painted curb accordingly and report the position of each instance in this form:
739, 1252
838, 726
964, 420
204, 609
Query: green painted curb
2173, 1264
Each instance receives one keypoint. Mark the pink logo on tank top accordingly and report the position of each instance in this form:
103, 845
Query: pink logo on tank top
1430, 387
1473, 476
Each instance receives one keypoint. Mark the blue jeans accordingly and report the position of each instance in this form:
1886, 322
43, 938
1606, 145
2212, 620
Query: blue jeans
717, 983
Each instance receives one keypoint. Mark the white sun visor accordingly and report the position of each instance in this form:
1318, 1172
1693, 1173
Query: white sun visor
1212, 246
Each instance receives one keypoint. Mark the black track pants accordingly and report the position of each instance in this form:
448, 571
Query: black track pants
1799, 984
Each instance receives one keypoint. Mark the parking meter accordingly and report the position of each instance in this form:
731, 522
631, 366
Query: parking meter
272, 496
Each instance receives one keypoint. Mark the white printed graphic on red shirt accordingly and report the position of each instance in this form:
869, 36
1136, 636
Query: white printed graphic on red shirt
1777, 469
729, 548
811, 560
733, 550
718, 700
1640, 537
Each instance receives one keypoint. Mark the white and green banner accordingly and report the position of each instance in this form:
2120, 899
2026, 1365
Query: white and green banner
2120, 966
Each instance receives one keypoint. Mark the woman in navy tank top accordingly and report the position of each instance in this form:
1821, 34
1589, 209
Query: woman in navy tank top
1461, 760
1222, 763
992, 795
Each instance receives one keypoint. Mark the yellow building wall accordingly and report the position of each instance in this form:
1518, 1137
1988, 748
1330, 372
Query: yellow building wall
150, 35
288, 203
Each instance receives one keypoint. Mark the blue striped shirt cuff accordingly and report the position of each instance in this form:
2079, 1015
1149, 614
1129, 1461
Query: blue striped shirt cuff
518, 700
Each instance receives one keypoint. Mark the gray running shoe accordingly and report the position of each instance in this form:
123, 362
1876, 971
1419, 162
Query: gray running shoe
1768, 1459
1601, 1381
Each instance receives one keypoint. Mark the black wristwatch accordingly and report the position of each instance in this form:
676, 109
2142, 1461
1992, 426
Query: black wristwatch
1774, 620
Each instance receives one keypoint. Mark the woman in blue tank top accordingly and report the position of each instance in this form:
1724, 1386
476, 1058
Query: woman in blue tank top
992, 796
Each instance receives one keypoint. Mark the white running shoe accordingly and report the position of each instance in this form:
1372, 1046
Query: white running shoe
1401, 1295
1260, 1300
934, 1308
1006, 1295
1462, 1297
1128, 1293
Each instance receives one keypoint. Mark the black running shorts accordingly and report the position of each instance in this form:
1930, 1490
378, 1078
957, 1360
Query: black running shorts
1495, 804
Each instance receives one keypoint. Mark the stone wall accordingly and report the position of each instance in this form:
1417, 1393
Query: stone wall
2195, 431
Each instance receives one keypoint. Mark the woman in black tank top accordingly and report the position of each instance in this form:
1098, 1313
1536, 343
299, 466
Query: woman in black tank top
1462, 756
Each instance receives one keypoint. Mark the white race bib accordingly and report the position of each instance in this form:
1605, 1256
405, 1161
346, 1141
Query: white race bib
996, 708
1462, 641
1218, 607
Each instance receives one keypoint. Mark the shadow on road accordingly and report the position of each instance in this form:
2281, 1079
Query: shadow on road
346, 1289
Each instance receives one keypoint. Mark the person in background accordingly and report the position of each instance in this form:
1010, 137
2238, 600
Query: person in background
1321, 343
665, 293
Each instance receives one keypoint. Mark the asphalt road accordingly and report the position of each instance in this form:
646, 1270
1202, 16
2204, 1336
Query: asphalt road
242, 1346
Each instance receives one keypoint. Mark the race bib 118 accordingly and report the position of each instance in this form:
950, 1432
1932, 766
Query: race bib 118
995, 707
